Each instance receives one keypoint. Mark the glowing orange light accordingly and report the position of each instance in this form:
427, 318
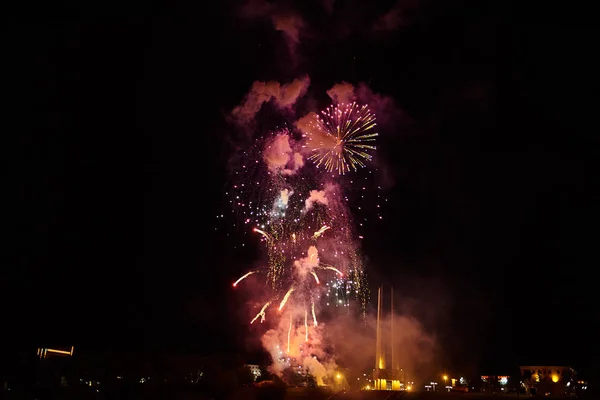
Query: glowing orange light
59, 351
43, 352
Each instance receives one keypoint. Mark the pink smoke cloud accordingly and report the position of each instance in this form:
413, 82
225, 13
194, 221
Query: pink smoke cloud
315, 196
306, 265
283, 19
312, 358
399, 16
385, 107
342, 93
293, 344
307, 124
283, 96
415, 347
280, 157
252, 9
290, 24
328, 5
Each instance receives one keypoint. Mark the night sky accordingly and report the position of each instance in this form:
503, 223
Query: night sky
116, 146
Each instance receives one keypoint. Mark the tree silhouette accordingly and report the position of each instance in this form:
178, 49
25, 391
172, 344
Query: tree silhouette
291, 377
245, 376
265, 375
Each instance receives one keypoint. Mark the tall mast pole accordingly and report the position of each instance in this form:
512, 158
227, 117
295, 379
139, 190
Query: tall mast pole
378, 338
392, 319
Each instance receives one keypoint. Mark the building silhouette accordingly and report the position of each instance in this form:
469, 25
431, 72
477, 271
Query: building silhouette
556, 380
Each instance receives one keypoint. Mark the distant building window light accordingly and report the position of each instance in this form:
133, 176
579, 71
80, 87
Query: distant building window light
43, 352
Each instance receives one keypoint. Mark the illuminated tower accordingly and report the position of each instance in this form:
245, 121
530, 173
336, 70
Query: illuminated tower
379, 353
385, 378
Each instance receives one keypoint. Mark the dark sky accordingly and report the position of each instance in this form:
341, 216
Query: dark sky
116, 149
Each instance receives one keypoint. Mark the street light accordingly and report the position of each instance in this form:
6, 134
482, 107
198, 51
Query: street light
445, 377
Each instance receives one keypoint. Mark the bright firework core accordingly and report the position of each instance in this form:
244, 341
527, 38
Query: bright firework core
341, 137
303, 220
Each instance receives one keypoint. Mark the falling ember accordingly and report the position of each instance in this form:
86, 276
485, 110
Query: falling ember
306, 325
320, 231
261, 313
244, 277
285, 298
294, 237
265, 234
334, 269
316, 277
314, 315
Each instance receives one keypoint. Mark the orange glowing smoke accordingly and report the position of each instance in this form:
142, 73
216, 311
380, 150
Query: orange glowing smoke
285, 298
289, 335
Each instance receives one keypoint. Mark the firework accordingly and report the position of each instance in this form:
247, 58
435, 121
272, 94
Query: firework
320, 231
342, 137
265, 234
315, 276
324, 267
304, 222
261, 313
243, 277
285, 298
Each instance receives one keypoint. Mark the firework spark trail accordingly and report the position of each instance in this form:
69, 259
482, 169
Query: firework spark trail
313, 314
261, 313
243, 277
342, 137
289, 334
306, 325
285, 298
316, 277
321, 231
332, 269
265, 234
